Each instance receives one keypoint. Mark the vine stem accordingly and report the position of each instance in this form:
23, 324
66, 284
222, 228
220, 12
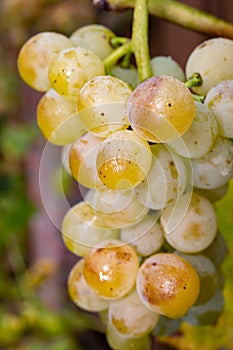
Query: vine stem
178, 13
139, 44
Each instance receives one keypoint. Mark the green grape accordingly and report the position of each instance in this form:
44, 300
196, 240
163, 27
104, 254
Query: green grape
207, 273
166, 65
166, 180
190, 225
128, 74
118, 341
161, 109
215, 168
101, 105
110, 269
80, 293
201, 135
65, 151
212, 59
217, 250
79, 237
123, 160
58, 120
207, 313
117, 209
82, 160
219, 99
35, 56
130, 317
71, 68
167, 284
94, 37
167, 326
146, 236
214, 194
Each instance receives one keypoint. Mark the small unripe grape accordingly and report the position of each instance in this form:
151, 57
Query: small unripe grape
80, 293
166, 65
130, 317
110, 269
94, 37
161, 109
58, 120
101, 105
168, 284
212, 59
123, 160
219, 99
35, 56
191, 225
71, 68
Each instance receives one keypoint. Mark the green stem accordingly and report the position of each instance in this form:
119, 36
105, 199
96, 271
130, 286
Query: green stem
194, 80
178, 13
116, 55
140, 45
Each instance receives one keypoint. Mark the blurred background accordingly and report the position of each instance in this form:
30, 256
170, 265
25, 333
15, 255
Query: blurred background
35, 309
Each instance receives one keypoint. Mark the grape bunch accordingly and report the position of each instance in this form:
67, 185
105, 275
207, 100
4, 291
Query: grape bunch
151, 158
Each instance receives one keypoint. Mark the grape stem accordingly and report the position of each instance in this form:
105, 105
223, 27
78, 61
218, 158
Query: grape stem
140, 45
111, 60
178, 13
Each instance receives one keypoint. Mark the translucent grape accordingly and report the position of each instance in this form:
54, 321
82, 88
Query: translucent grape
71, 68
101, 105
123, 160
130, 317
166, 65
219, 99
207, 273
212, 59
166, 180
161, 109
117, 209
167, 284
36, 54
58, 120
216, 168
79, 237
190, 226
217, 250
167, 326
80, 293
94, 37
128, 75
82, 160
110, 269
200, 137
146, 236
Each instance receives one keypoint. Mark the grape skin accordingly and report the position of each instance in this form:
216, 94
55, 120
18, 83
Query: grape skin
166, 65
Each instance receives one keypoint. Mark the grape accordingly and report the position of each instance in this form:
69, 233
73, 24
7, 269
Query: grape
214, 194
94, 37
167, 326
71, 68
117, 341
117, 209
80, 293
189, 226
161, 109
82, 160
130, 317
207, 313
219, 99
201, 135
167, 284
65, 151
128, 75
110, 269
212, 59
166, 180
36, 54
207, 274
146, 236
217, 250
101, 105
58, 120
123, 160
166, 65
79, 236
216, 168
